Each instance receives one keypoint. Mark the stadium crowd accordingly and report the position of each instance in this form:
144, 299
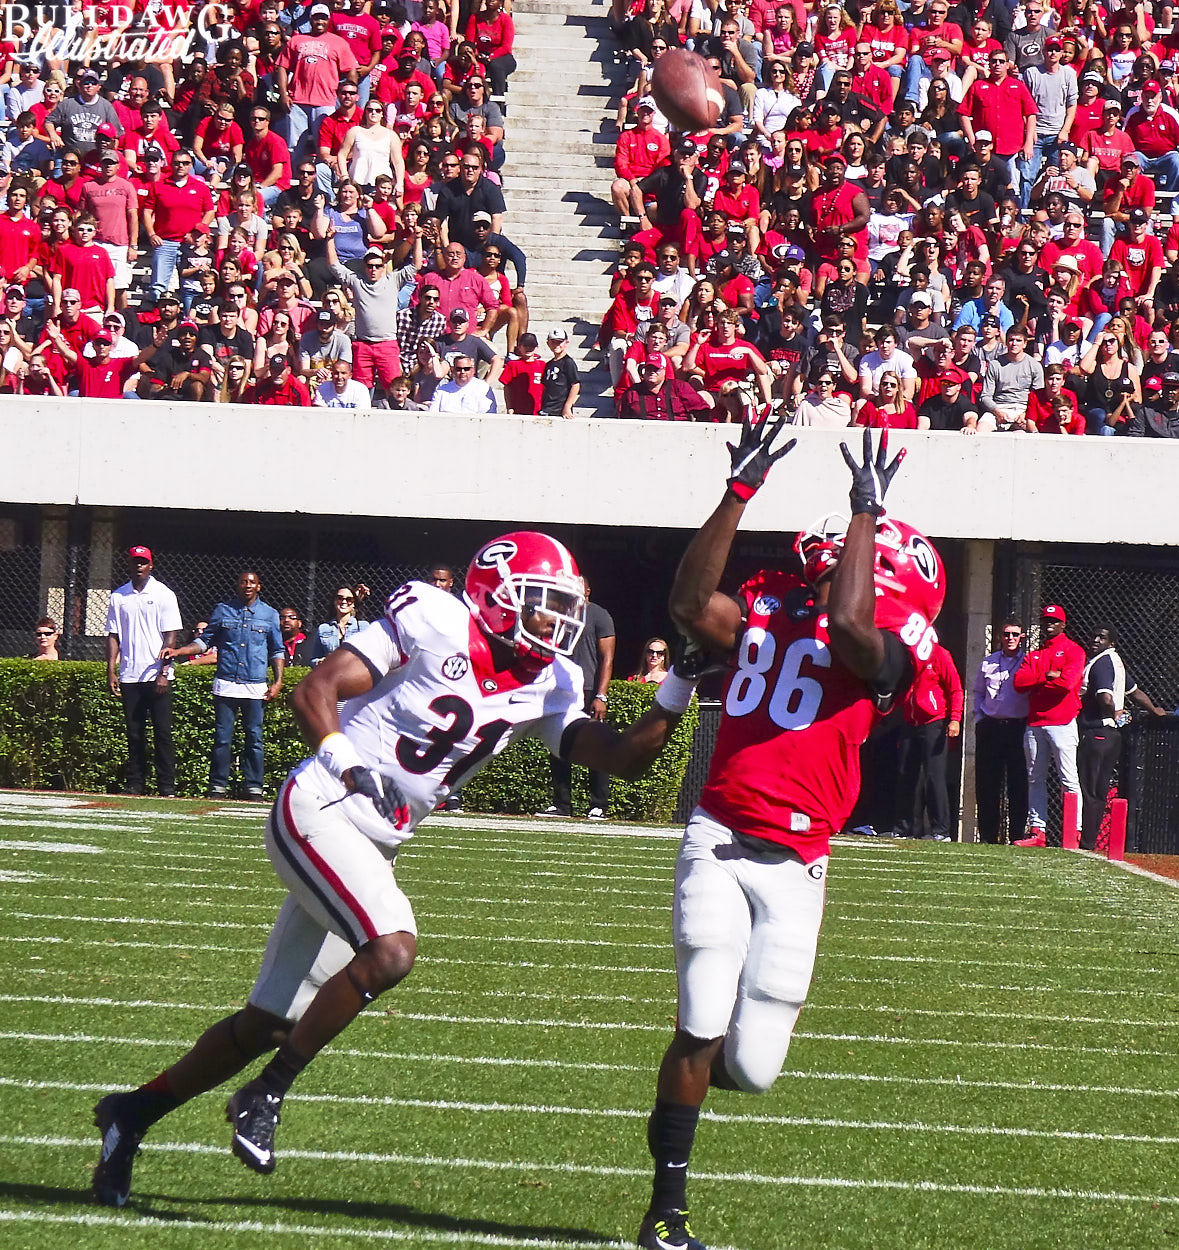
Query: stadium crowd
927, 215
302, 209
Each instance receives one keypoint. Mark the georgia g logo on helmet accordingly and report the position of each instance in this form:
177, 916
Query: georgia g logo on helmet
925, 559
489, 557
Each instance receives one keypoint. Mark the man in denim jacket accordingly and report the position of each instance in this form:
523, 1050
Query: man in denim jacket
246, 633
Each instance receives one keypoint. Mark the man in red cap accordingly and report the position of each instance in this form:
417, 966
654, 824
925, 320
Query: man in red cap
1051, 679
142, 620
951, 408
660, 396
1154, 130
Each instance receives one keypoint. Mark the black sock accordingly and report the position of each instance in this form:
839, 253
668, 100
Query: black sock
279, 1074
670, 1133
142, 1107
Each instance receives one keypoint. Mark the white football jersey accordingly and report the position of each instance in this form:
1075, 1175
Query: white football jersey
438, 710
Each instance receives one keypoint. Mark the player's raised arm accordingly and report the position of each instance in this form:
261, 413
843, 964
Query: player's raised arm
696, 606
852, 604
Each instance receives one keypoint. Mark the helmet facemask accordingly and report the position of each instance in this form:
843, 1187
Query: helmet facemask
525, 594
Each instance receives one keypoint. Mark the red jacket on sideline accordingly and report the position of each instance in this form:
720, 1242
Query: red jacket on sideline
936, 692
1052, 700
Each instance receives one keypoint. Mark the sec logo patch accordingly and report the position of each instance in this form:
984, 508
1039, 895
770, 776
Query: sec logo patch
454, 667
766, 605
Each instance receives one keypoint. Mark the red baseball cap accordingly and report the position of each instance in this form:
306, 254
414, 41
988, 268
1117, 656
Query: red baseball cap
140, 553
951, 374
655, 360
1054, 612
1152, 88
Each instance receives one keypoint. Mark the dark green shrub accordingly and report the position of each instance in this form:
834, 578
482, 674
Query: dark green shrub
519, 781
61, 728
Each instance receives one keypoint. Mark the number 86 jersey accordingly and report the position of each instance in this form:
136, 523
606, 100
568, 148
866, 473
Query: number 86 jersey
438, 709
786, 766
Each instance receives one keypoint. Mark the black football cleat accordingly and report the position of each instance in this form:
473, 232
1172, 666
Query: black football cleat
254, 1115
111, 1182
667, 1230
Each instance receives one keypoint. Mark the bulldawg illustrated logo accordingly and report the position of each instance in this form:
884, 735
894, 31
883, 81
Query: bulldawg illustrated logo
160, 32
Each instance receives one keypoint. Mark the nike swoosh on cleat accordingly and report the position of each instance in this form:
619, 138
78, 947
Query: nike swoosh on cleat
263, 1156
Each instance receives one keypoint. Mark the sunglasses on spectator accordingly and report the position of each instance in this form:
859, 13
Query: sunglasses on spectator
656, 650
345, 599
46, 633
1013, 633
464, 368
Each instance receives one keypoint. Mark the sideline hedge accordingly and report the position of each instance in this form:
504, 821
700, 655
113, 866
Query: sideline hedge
62, 729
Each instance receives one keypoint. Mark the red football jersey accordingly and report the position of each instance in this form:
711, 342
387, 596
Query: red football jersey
786, 766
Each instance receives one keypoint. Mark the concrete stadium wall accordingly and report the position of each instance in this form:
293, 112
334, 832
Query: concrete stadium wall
595, 472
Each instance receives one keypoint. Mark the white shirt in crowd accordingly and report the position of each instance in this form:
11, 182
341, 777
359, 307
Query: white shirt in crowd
140, 619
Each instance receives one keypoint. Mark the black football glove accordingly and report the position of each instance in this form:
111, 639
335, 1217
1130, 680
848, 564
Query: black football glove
384, 793
753, 455
691, 661
871, 479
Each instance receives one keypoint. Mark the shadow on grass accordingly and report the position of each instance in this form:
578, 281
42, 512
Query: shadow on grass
385, 1212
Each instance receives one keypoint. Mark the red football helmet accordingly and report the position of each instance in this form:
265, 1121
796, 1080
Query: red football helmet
518, 574
818, 546
910, 577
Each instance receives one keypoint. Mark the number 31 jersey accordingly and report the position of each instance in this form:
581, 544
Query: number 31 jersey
786, 766
438, 710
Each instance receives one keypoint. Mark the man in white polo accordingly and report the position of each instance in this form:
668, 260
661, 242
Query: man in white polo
464, 392
143, 619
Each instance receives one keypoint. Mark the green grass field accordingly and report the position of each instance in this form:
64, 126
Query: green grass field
988, 1058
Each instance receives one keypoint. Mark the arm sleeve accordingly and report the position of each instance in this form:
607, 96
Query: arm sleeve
1028, 675
562, 713
1101, 677
896, 669
379, 646
171, 614
955, 698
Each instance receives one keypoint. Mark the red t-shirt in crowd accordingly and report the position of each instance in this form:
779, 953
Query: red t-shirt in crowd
178, 208
263, 154
18, 243
103, 381
1138, 259
218, 142
87, 270
521, 380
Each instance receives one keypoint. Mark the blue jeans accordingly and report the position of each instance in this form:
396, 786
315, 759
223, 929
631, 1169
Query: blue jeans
1095, 422
163, 265
1041, 745
915, 71
1044, 149
1166, 166
303, 124
225, 711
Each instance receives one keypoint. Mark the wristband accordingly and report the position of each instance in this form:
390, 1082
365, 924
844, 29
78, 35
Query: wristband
675, 693
338, 755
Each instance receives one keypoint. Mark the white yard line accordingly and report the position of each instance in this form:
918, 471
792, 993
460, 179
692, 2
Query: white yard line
221, 1228
641, 1113
509, 1061
583, 1169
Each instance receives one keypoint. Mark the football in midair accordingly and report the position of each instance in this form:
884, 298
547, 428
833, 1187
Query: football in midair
687, 90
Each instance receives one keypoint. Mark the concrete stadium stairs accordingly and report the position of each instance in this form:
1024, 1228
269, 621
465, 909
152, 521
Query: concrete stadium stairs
558, 173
